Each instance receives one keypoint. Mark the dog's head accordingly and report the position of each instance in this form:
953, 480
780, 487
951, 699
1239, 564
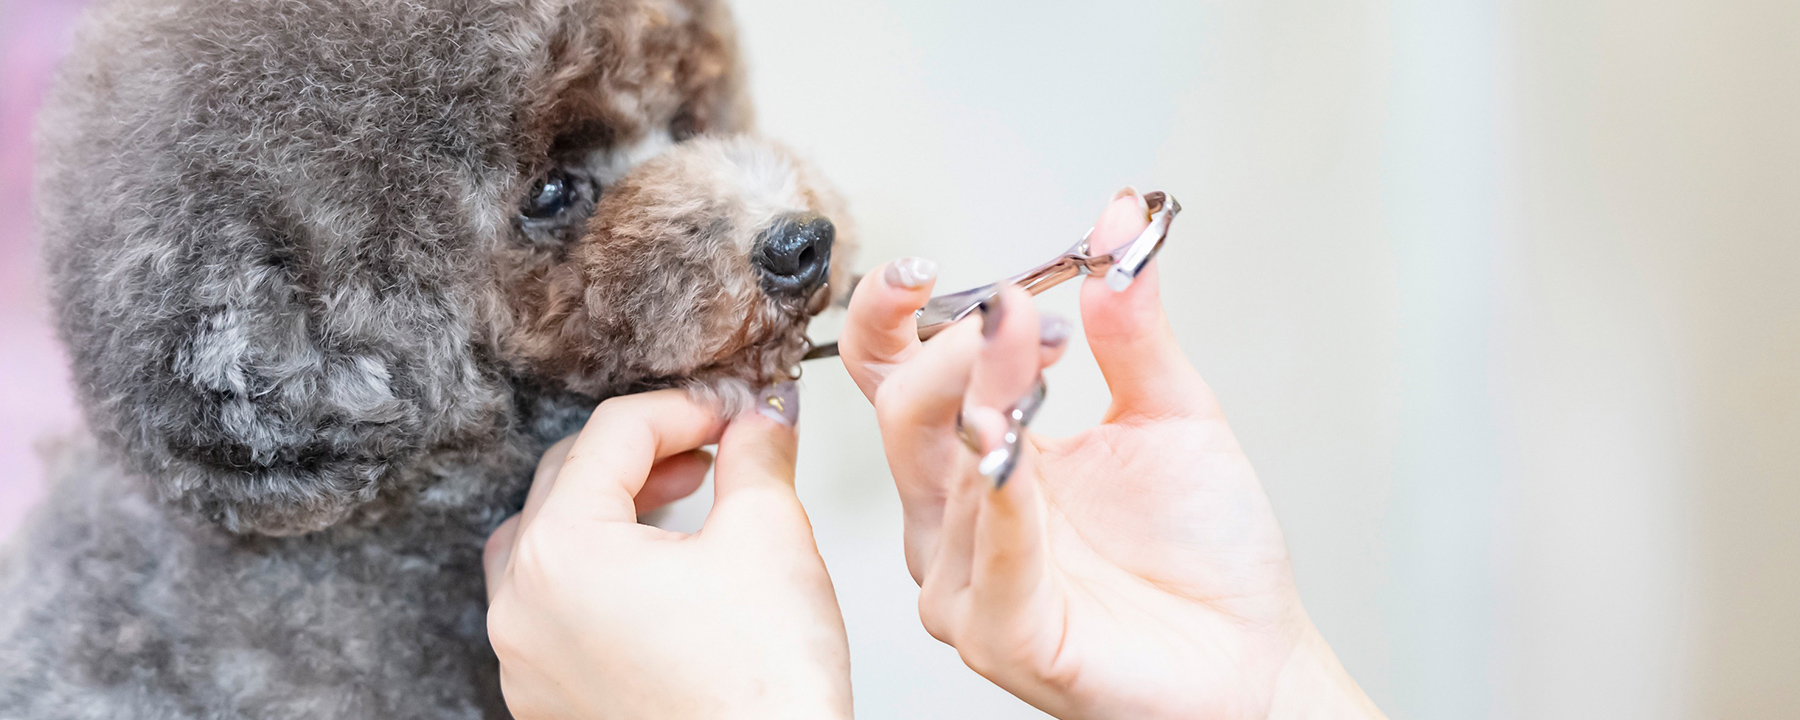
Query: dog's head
699, 266
307, 255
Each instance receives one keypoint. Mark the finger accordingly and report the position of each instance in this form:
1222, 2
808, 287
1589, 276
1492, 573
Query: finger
612, 457
990, 563
496, 554
755, 479
924, 395
673, 478
1004, 372
880, 329
946, 576
1053, 338
953, 554
1009, 360
916, 408
1007, 561
1129, 333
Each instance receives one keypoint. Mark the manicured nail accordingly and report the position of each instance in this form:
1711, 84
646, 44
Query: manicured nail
910, 273
1053, 330
993, 312
1131, 192
780, 402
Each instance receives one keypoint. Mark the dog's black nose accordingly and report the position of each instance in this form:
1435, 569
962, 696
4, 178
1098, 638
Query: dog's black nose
794, 255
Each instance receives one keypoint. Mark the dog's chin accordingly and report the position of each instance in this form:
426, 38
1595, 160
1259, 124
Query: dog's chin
739, 380
734, 382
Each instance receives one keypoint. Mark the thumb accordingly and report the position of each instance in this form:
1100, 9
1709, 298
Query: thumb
1129, 333
754, 473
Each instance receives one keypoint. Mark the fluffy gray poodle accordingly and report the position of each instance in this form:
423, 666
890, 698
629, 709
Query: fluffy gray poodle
332, 274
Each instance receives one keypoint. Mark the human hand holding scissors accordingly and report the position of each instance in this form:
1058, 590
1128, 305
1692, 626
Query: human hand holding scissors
1132, 570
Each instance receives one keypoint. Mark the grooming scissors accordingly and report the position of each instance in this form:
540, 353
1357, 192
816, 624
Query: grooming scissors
1121, 267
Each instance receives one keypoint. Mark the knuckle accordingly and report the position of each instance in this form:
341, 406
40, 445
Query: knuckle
502, 628
498, 542
935, 617
615, 407
915, 563
989, 662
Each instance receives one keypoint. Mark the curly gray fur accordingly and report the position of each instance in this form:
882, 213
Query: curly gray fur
319, 347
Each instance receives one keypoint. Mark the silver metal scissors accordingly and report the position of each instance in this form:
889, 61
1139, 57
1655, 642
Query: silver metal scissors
1121, 266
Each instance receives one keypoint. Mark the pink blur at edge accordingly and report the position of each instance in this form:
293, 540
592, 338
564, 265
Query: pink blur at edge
36, 401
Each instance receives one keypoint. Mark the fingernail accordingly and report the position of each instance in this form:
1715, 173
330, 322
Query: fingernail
910, 273
1053, 330
993, 313
1131, 192
780, 402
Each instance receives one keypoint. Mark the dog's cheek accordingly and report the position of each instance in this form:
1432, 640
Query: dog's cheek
674, 324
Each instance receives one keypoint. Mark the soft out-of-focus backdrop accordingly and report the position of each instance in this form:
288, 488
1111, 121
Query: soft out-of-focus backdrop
1503, 298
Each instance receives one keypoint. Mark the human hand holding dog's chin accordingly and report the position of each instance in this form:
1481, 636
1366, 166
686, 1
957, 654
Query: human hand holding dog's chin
595, 615
1134, 570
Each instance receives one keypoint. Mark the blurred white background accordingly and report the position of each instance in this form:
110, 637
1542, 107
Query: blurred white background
1503, 299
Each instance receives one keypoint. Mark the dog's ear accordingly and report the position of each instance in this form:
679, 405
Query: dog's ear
268, 230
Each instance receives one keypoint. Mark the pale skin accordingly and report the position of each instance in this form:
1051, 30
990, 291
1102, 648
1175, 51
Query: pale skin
1134, 570
594, 615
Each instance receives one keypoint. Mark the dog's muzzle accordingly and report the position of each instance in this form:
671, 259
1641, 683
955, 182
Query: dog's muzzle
793, 256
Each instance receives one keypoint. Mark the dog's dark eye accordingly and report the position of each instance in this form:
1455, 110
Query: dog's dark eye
551, 196
557, 206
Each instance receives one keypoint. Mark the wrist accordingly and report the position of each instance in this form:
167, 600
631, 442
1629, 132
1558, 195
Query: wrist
1313, 685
